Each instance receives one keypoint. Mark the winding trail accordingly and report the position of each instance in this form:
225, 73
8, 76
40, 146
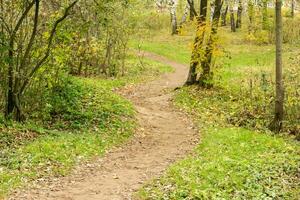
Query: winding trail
165, 135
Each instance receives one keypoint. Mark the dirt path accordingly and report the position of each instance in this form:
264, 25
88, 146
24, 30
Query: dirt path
165, 135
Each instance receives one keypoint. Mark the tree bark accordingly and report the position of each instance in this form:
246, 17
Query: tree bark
276, 125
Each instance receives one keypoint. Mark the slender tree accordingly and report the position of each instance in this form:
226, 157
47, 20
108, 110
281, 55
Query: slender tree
173, 6
224, 16
192, 6
276, 125
239, 14
232, 20
293, 8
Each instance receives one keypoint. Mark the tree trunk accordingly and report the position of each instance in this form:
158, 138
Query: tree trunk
276, 125
232, 20
206, 77
239, 15
293, 8
191, 7
196, 57
185, 14
173, 17
224, 16
10, 105
250, 15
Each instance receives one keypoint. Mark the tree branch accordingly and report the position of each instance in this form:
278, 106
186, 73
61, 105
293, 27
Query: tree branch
33, 34
192, 7
50, 41
5, 24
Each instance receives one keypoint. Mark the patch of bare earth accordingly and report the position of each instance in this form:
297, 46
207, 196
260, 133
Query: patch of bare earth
165, 136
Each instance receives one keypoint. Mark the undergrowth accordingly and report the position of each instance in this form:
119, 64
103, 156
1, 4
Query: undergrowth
71, 123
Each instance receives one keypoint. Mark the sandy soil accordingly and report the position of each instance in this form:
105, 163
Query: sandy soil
165, 135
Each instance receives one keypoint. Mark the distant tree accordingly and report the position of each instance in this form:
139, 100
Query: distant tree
232, 19
224, 15
239, 14
265, 21
173, 7
192, 7
250, 15
293, 2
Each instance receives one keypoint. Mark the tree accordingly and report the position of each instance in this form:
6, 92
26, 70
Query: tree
22, 65
205, 79
232, 20
293, 8
192, 6
250, 15
276, 125
239, 14
224, 16
173, 6
265, 21
198, 42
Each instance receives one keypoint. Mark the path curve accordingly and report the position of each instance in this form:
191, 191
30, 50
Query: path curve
165, 136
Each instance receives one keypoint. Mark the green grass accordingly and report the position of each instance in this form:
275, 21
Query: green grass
232, 163
80, 121
178, 51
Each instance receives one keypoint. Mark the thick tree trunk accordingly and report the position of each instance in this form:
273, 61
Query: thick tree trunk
276, 125
224, 16
196, 57
239, 15
232, 20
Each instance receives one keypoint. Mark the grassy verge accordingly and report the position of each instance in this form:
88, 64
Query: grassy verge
232, 163
80, 121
